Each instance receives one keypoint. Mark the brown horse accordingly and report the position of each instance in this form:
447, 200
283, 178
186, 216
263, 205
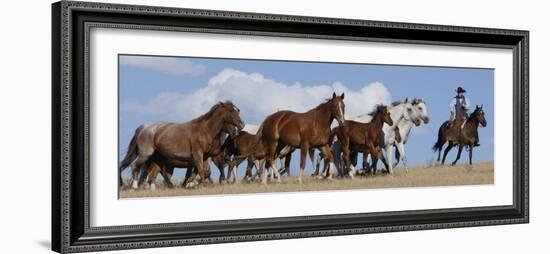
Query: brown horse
354, 157
300, 130
460, 133
157, 164
182, 144
363, 137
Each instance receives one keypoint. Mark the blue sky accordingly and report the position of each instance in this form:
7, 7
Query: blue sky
177, 89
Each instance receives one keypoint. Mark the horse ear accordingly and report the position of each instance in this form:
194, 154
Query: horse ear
406, 100
481, 105
342, 96
333, 95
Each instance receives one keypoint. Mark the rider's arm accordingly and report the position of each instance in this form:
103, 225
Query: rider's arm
466, 103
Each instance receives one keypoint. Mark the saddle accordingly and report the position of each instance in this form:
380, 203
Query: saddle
458, 121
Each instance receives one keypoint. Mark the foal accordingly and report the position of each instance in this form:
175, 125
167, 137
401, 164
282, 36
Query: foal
363, 137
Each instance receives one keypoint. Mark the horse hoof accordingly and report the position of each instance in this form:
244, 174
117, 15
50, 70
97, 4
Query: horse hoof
152, 187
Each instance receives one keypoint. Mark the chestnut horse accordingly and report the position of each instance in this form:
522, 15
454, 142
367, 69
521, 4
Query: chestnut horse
461, 134
182, 144
300, 130
363, 137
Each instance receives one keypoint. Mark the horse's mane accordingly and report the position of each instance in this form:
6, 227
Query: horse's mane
322, 104
212, 110
418, 101
395, 103
376, 110
473, 114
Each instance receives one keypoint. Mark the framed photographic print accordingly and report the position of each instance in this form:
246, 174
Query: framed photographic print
182, 126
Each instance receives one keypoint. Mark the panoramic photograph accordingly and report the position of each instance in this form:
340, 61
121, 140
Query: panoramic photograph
216, 126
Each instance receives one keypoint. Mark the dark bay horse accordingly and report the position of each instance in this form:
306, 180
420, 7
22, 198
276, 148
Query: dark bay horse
461, 134
182, 144
363, 137
300, 130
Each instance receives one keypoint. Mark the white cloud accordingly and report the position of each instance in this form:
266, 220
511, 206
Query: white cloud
257, 97
168, 65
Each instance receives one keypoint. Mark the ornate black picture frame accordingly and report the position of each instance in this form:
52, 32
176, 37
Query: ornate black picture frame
71, 231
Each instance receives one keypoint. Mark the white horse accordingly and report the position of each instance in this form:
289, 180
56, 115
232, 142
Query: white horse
406, 127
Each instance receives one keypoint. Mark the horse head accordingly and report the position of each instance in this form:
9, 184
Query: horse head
338, 108
410, 113
232, 122
479, 115
382, 110
421, 109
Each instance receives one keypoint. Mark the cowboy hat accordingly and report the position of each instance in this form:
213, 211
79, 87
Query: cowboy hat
460, 90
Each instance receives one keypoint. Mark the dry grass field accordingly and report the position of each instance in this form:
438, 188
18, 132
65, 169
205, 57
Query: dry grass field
461, 174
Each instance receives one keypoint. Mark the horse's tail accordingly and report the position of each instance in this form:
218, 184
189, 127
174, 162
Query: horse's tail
440, 138
311, 153
131, 153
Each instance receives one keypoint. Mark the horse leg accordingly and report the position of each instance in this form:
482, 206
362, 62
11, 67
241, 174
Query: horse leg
375, 151
304, 148
397, 155
200, 165
140, 162
389, 156
286, 163
447, 149
374, 162
329, 165
271, 154
154, 170
439, 148
458, 154
249, 165
317, 164
336, 153
260, 165
220, 164
167, 174
471, 151
365, 165
145, 171
347, 160
401, 156
282, 169
354, 161
232, 168
235, 176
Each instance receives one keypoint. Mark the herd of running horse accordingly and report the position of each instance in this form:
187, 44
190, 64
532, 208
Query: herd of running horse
220, 136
